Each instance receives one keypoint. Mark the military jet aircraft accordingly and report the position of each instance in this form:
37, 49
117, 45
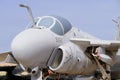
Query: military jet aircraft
52, 48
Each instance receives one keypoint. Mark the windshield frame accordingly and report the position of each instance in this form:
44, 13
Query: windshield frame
30, 24
53, 20
42, 18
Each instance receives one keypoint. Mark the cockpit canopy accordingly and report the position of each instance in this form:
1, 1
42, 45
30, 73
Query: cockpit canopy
56, 24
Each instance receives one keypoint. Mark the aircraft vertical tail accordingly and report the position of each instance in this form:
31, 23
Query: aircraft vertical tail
117, 35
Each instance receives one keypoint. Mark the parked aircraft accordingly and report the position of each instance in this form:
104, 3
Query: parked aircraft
52, 46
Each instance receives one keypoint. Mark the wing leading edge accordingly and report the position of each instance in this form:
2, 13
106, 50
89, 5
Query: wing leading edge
108, 45
4, 55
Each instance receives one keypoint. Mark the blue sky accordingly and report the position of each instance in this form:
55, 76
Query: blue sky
92, 16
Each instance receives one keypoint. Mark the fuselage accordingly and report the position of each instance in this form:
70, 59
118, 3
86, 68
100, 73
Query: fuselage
34, 46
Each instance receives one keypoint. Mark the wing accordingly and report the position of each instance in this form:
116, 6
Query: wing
111, 47
108, 45
4, 55
8, 60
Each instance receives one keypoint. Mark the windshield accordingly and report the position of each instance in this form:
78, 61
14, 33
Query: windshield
46, 22
57, 28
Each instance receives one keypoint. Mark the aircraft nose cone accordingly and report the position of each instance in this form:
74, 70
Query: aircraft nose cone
33, 47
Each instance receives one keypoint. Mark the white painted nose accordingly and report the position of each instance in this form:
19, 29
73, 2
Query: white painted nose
33, 47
